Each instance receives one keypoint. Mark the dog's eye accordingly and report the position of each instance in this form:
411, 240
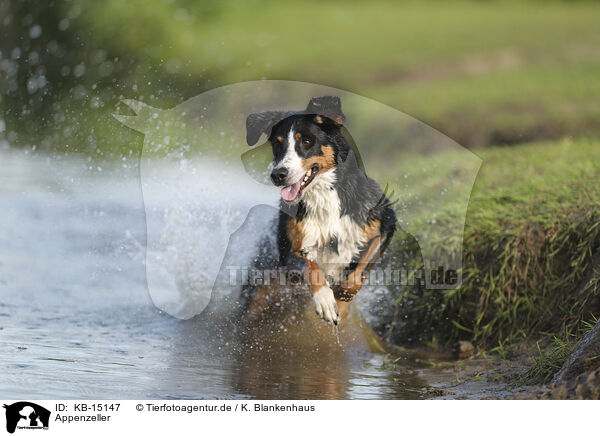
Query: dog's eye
306, 142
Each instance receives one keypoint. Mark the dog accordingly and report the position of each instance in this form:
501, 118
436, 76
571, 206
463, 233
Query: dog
332, 217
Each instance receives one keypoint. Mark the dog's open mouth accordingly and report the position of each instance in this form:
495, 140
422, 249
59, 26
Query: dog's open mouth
295, 191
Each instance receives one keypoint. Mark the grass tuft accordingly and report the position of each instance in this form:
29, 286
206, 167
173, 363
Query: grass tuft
551, 359
531, 244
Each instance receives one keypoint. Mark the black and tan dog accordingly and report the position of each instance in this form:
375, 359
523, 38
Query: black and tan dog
333, 217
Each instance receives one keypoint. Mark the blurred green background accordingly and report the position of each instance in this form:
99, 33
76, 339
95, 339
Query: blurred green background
482, 72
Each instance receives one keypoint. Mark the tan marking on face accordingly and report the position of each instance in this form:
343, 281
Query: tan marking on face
298, 135
280, 138
325, 162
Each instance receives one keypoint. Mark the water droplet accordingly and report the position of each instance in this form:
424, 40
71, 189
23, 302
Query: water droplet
35, 31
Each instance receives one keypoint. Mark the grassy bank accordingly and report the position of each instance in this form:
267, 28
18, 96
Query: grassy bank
531, 237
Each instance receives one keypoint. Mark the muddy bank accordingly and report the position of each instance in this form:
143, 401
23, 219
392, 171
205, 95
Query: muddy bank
495, 378
579, 377
499, 379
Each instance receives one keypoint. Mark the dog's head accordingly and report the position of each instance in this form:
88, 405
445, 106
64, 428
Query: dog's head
306, 144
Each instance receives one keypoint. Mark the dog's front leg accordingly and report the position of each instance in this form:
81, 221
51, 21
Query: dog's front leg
346, 290
265, 294
325, 303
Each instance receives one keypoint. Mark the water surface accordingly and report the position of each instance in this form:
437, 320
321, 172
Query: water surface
76, 319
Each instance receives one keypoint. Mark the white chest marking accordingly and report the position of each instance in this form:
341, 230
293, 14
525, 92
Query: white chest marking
323, 223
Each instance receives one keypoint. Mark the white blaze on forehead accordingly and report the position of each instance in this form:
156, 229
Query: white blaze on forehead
291, 160
292, 139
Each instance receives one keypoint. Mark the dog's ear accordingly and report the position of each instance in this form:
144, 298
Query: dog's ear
327, 106
262, 122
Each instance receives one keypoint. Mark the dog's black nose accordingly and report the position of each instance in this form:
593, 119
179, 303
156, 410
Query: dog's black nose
278, 176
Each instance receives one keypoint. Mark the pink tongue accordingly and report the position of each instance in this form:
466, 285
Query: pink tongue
290, 193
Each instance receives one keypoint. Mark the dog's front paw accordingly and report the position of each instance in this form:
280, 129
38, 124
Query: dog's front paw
326, 305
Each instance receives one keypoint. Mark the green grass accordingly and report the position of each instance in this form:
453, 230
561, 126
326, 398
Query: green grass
509, 106
348, 42
550, 359
532, 231
481, 72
